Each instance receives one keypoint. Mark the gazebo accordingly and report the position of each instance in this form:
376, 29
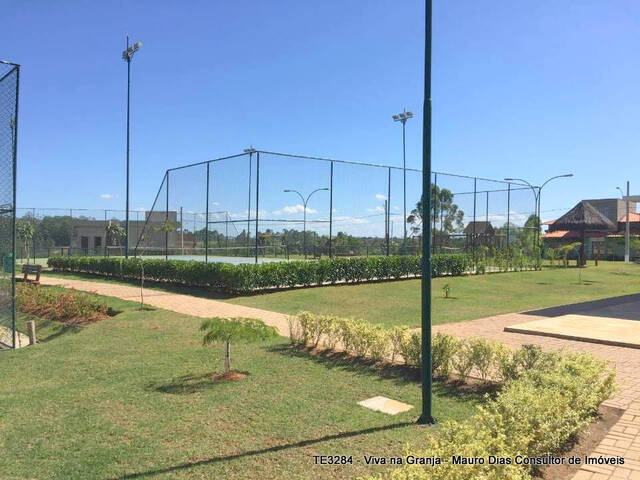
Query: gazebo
584, 218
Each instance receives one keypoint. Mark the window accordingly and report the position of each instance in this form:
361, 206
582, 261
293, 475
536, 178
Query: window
97, 242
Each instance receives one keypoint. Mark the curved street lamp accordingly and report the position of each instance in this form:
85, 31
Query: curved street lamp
304, 222
537, 196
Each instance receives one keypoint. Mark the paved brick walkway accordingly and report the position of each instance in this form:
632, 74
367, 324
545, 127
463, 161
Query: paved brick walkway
623, 440
187, 304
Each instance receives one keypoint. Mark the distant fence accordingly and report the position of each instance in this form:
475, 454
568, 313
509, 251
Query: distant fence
300, 207
314, 206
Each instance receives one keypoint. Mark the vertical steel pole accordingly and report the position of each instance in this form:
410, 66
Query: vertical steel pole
486, 227
70, 223
13, 213
126, 223
181, 232
206, 222
427, 414
388, 207
435, 206
105, 233
386, 225
508, 214
249, 204
627, 229
166, 223
473, 240
404, 189
257, 199
331, 211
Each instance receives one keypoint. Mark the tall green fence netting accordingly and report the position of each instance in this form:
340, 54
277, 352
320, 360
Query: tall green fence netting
9, 85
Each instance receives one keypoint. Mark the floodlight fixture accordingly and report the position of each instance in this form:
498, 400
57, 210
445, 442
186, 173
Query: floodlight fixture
128, 53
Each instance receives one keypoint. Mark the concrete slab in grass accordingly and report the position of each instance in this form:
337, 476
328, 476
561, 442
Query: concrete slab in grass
584, 328
385, 405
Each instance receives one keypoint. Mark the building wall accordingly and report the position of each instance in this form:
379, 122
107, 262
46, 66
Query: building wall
612, 208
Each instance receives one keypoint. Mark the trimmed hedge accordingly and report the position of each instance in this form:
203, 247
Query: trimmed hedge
545, 398
248, 278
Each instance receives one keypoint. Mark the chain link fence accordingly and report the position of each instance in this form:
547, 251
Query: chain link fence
266, 206
9, 84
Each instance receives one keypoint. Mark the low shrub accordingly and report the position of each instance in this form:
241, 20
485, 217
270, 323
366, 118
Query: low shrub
67, 306
534, 415
247, 278
443, 348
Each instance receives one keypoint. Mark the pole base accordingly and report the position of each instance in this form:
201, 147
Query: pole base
426, 420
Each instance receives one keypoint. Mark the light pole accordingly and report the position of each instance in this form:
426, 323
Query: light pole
535, 203
537, 198
127, 55
627, 229
304, 222
403, 117
426, 416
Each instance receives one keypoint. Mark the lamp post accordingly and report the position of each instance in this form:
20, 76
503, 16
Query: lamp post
627, 229
403, 117
304, 222
127, 55
537, 196
426, 416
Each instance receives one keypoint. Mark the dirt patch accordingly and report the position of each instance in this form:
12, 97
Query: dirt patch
586, 443
228, 377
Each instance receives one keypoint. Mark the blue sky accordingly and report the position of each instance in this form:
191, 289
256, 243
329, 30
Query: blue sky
520, 89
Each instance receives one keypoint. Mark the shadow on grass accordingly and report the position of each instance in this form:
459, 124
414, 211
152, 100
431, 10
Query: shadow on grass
262, 451
188, 384
474, 390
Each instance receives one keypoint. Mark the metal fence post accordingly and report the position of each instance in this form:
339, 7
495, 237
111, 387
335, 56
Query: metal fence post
206, 222
105, 234
388, 207
486, 227
473, 239
13, 213
71, 233
249, 205
166, 221
257, 200
508, 215
331, 211
435, 205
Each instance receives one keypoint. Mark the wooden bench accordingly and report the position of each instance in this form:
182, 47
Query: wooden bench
28, 269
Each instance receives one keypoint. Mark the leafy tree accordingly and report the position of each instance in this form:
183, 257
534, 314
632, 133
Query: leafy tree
227, 330
528, 235
25, 231
115, 233
447, 214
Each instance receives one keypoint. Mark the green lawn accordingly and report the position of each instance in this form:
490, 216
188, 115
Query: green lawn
474, 296
128, 397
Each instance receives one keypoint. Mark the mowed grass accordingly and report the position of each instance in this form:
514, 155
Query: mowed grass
129, 397
473, 296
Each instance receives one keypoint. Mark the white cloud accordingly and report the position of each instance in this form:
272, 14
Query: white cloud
215, 203
292, 209
380, 197
377, 209
108, 196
